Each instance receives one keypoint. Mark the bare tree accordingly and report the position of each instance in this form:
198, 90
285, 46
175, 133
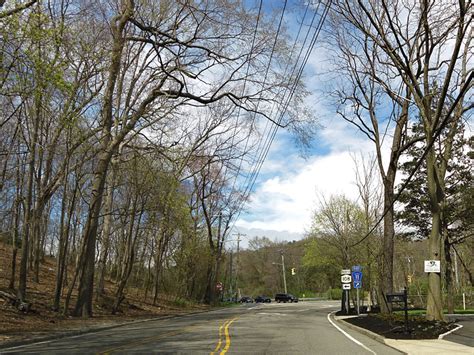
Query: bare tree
162, 59
422, 45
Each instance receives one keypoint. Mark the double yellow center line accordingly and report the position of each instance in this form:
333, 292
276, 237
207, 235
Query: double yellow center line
224, 334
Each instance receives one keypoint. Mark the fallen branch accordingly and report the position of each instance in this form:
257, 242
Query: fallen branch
14, 301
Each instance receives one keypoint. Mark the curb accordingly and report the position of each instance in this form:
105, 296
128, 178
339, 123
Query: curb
73, 333
368, 333
441, 336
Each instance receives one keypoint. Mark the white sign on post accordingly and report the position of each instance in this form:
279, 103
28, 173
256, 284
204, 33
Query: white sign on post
346, 279
346, 286
432, 266
345, 271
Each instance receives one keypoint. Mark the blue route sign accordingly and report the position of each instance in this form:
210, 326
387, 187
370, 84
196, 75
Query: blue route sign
357, 268
357, 279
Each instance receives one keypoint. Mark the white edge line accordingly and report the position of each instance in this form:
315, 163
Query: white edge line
26, 345
348, 335
16, 347
441, 336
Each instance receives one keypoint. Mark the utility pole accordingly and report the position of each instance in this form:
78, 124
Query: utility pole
237, 265
283, 270
230, 275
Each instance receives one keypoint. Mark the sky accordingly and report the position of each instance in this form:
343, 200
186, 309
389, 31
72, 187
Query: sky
289, 186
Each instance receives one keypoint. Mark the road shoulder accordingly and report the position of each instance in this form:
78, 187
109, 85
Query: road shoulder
37, 337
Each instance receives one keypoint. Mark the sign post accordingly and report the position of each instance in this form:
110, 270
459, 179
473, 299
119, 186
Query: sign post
401, 298
357, 278
346, 280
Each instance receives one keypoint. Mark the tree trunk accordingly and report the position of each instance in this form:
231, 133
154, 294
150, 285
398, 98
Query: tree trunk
434, 309
36, 225
386, 275
129, 257
448, 272
60, 254
209, 294
148, 277
86, 284
28, 214
16, 217
106, 234
61, 275
157, 269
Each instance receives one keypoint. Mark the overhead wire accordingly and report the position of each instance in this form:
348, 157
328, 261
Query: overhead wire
272, 135
254, 36
274, 127
263, 86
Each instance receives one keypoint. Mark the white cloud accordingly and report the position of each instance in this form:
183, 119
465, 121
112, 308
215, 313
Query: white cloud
286, 201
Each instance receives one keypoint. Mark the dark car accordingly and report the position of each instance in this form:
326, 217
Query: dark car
285, 297
263, 299
246, 299
294, 298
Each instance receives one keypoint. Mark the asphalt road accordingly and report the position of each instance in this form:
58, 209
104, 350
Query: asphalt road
465, 335
293, 328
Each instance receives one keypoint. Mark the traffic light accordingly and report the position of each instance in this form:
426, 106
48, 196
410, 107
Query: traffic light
293, 271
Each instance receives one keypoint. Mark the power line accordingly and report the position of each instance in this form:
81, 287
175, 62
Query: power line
285, 107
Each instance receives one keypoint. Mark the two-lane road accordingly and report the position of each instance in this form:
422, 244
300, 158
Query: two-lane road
293, 328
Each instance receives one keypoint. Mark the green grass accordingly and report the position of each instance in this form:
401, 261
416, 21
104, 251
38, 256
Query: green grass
421, 312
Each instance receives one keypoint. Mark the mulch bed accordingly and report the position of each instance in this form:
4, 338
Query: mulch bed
393, 326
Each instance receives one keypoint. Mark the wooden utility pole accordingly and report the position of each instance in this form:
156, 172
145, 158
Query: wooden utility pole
237, 264
283, 270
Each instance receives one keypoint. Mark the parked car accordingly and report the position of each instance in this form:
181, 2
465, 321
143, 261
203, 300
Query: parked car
294, 298
246, 299
285, 297
263, 299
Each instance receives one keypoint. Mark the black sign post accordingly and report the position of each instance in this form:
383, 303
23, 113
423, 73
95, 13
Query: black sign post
400, 298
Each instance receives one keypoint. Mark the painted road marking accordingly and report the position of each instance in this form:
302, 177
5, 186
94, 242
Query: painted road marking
219, 343
348, 335
227, 337
225, 326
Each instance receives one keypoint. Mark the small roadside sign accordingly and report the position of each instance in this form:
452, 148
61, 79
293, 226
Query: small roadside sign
356, 268
357, 284
346, 286
432, 266
345, 271
346, 279
357, 276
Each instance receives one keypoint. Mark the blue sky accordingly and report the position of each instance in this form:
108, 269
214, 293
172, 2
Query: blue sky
288, 188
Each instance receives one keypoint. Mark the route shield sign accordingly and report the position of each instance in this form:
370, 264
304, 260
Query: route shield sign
357, 276
346, 279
